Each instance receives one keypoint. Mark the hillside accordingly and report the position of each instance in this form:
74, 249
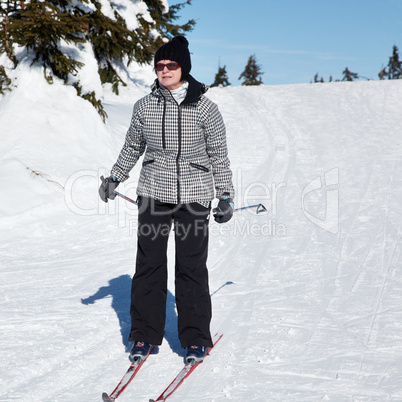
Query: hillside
308, 295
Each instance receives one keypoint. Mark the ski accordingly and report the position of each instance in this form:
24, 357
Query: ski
127, 378
183, 374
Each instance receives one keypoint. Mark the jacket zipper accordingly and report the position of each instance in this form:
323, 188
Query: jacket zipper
178, 154
163, 124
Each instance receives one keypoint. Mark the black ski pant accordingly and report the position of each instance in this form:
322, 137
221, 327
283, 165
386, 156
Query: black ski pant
149, 285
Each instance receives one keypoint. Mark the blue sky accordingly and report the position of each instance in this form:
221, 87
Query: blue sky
292, 39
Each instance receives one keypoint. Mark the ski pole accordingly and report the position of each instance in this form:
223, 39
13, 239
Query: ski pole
125, 197
259, 209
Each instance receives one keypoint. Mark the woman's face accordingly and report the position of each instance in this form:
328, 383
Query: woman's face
170, 75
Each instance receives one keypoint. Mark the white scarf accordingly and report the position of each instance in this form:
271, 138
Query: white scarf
179, 94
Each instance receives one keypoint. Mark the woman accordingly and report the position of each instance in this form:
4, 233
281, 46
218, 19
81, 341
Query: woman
183, 136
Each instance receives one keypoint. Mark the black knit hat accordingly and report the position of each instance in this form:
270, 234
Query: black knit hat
176, 50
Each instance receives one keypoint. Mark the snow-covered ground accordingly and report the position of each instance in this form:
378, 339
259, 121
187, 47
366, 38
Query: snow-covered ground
308, 295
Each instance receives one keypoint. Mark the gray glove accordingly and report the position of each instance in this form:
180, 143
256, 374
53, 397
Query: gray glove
106, 189
224, 211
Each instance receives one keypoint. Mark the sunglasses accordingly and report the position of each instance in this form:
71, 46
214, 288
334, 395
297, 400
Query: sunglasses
170, 66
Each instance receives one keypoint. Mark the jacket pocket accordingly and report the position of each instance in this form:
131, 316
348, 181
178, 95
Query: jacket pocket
145, 163
200, 167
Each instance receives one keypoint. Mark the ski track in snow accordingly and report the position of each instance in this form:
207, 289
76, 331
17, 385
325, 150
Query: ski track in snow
307, 314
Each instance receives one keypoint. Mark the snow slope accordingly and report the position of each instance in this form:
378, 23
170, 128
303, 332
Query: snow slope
308, 295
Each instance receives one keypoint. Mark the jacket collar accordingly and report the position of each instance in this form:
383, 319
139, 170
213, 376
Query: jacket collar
194, 92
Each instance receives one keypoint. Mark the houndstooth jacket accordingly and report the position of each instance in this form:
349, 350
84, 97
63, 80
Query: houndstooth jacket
186, 155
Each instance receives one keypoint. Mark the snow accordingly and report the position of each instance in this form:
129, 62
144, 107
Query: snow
165, 6
308, 295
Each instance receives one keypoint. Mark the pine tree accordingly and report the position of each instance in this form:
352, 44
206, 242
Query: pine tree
349, 76
43, 27
7, 9
40, 27
252, 72
221, 78
164, 19
112, 41
317, 79
394, 71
